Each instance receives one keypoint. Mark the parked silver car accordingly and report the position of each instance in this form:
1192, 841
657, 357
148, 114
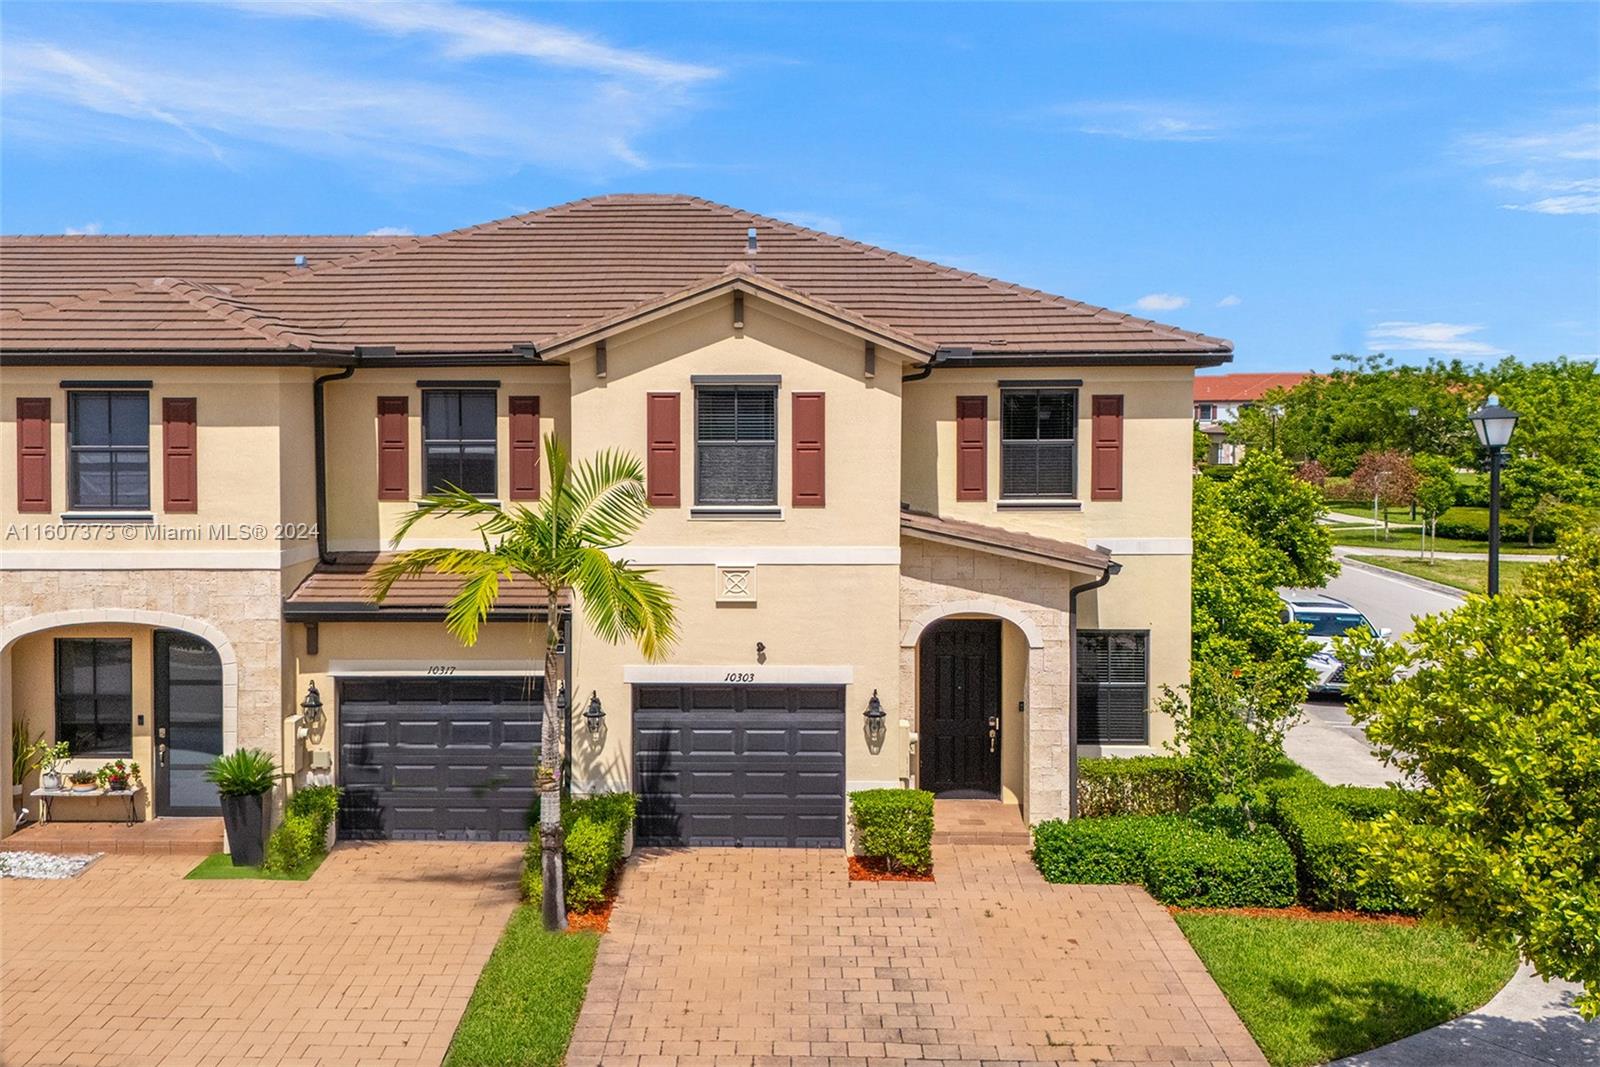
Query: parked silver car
1326, 618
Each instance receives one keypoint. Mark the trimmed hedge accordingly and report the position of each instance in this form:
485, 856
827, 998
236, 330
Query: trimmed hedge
896, 825
1178, 860
1472, 524
596, 839
302, 837
1322, 825
1134, 785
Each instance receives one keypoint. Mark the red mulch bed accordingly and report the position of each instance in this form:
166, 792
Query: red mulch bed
1302, 912
876, 869
597, 919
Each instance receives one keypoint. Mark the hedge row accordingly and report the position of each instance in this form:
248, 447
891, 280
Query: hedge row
895, 825
1322, 825
303, 835
1134, 785
596, 841
1178, 860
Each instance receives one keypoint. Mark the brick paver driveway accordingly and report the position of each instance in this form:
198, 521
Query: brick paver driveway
369, 962
757, 956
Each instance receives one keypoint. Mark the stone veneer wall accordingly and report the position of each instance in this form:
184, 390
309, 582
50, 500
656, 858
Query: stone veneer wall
939, 580
242, 605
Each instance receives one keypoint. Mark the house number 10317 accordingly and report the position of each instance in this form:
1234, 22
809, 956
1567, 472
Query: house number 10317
441, 669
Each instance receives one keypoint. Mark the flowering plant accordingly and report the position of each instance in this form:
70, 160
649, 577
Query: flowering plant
118, 775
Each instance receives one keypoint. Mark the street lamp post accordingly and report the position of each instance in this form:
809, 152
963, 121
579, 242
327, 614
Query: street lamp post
1494, 425
1413, 412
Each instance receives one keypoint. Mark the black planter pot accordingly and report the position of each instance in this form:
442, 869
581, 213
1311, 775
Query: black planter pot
245, 819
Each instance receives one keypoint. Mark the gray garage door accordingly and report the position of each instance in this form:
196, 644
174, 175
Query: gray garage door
759, 765
438, 759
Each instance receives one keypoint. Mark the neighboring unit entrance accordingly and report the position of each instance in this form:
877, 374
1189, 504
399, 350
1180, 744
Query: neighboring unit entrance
755, 765
438, 759
188, 714
959, 731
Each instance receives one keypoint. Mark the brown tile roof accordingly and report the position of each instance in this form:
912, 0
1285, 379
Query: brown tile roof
1219, 388
984, 538
547, 275
343, 591
37, 269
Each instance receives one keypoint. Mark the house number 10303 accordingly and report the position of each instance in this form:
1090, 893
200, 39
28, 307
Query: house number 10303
740, 676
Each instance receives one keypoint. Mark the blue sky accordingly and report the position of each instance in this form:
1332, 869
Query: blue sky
1303, 179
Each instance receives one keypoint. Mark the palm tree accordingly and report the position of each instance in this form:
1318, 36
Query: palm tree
563, 544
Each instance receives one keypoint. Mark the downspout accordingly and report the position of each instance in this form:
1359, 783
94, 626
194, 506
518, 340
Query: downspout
320, 444
1112, 568
939, 355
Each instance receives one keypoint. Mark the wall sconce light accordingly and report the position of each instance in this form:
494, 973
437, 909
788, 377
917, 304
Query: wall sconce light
875, 716
311, 708
594, 715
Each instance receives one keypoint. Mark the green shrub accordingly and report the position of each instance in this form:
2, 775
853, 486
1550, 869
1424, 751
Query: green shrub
896, 825
596, 835
1180, 861
1472, 524
245, 772
1219, 472
1323, 827
1136, 785
318, 802
297, 841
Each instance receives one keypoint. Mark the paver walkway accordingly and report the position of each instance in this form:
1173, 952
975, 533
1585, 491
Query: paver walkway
370, 962
773, 957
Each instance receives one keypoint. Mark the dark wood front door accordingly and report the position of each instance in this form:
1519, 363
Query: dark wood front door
960, 708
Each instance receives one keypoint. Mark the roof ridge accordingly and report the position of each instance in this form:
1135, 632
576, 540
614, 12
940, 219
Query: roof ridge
956, 272
87, 238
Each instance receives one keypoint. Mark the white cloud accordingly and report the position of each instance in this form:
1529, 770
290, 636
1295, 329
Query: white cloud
1161, 302
1443, 338
87, 229
812, 220
390, 231
1558, 167
1143, 120
1230, 301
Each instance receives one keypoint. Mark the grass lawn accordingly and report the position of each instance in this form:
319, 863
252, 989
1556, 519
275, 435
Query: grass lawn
526, 1002
1411, 539
1467, 574
219, 865
1311, 991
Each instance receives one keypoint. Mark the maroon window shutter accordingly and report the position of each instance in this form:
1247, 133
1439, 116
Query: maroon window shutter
972, 448
1105, 440
180, 475
810, 467
524, 447
394, 458
662, 467
33, 453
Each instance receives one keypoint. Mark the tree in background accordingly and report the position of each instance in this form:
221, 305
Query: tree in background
1280, 513
1493, 713
1436, 491
1312, 473
1389, 478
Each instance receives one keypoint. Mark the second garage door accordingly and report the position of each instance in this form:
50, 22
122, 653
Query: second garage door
430, 759
756, 765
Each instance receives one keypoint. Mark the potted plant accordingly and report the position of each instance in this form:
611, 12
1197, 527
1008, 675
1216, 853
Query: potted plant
49, 758
23, 754
84, 781
118, 776
245, 779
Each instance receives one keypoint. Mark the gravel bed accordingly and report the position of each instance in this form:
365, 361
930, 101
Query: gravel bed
43, 864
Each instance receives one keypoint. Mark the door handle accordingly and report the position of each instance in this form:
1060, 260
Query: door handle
161, 755
994, 731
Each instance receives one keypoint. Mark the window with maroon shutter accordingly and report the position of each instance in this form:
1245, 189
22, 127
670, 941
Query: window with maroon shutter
663, 469
524, 447
179, 460
394, 459
1105, 441
972, 447
810, 462
33, 453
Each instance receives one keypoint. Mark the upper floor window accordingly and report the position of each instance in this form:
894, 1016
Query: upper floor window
736, 445
1205, 412
1038, 443
94, 695
108, 462
458, 440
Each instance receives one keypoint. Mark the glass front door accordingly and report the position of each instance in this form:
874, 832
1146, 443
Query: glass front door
188, 692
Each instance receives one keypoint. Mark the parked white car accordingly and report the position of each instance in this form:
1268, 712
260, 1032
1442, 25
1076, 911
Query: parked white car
1326, 618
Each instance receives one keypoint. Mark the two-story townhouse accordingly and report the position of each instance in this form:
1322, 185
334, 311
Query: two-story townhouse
1218, 400
923, 527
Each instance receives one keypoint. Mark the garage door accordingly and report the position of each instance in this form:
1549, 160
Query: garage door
438, 759
759, 765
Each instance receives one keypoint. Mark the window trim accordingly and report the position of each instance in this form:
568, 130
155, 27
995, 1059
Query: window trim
74, 503
493, 491
1144, 636
96, 696
1040, 499
769, 385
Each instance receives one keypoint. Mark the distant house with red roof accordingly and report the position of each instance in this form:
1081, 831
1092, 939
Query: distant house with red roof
1218, 399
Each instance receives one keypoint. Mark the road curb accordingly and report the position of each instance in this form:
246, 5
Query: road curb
1402, 576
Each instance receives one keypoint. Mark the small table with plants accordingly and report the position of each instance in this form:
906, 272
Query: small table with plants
119, 778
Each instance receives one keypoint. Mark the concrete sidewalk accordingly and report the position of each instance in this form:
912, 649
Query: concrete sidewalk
1481, 557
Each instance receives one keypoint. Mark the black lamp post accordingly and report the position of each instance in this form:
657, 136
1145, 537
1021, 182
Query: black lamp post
1494, 425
